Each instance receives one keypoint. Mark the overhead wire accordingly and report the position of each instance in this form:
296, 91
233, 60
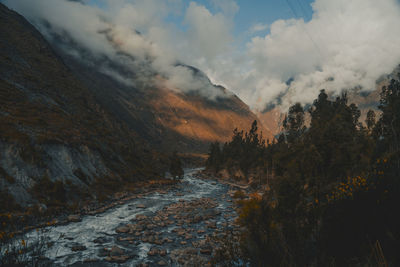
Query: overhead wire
305, 30
318, 50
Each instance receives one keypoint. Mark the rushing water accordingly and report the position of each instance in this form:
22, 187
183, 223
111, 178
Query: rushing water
102, 226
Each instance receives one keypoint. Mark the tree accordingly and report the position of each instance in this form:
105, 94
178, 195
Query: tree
214, 159
389, 121
294, 123
370, 120
176, 166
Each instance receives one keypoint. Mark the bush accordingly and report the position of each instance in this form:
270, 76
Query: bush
20, 252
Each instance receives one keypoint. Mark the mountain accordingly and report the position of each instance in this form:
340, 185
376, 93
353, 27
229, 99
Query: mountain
167, 118
70, 131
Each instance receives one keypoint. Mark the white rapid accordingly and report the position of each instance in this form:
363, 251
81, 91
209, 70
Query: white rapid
102, 226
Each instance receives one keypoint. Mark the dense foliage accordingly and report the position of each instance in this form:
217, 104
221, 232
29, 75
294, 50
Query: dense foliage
331, 190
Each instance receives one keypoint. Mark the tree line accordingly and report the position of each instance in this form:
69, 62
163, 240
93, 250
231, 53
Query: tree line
333, 187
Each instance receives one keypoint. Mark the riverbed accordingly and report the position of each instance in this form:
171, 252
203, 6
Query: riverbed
165, 228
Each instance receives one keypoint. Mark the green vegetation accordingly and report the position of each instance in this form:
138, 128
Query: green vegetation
333, 188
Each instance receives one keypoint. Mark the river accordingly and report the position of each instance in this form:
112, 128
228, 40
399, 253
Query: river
155, 230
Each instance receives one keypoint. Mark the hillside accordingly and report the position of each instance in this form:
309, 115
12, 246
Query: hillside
66, 124
167, 118
51, 124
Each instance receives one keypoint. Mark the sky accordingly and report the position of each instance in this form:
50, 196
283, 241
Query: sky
253, 48
251, 15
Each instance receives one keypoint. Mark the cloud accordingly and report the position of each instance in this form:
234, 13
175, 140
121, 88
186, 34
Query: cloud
258, 27
346, 44
134, 35
209, 34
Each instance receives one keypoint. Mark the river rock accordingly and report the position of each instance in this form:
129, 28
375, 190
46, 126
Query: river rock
159, 242
140, 217
117, 259
130, 238
152, 252
197, 218
212, 225
188, 236
161, 263
116, 251
122, 229
74, 218
101, 240
206, 250
78, 248
163, 252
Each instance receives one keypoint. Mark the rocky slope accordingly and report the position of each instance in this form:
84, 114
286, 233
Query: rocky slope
52, 125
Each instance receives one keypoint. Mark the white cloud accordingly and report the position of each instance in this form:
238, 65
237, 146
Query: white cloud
155, 49
258, 27
346, 44
208, 34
